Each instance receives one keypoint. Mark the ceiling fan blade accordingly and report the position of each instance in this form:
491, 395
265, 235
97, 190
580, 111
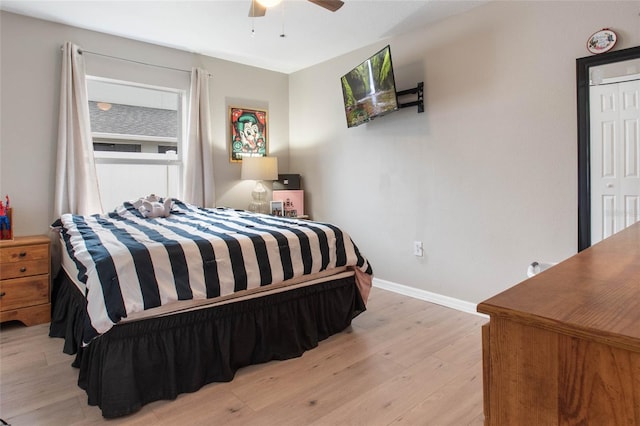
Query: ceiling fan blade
331, 5
256, 10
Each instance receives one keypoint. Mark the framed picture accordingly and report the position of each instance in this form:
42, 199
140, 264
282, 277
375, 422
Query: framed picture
277, 208
293, 201
248, 130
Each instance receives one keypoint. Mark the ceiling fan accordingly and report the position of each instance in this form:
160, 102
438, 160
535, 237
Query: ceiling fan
259, 7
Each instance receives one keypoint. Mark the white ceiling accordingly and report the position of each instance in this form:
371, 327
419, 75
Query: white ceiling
222, 28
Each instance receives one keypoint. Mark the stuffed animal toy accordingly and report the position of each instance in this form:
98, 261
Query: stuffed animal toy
153, 206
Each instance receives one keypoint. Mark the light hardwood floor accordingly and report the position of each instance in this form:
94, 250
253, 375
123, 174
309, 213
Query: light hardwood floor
402, 362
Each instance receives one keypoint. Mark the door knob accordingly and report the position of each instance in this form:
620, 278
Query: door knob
609, 185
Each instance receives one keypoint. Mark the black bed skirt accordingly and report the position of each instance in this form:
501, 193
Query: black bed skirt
148, 360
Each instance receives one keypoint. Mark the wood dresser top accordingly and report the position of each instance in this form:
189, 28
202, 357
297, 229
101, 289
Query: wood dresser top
27, 240
594, 294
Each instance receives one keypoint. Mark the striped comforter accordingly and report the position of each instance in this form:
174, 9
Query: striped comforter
130, 263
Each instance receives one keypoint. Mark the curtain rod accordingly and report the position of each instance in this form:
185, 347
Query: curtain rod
83, 51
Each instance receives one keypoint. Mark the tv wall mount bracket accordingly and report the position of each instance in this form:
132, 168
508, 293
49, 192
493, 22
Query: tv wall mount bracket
418, 90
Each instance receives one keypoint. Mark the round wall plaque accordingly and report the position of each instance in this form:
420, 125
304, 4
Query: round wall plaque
602, 41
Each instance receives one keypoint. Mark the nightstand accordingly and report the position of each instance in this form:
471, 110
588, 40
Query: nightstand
25, 280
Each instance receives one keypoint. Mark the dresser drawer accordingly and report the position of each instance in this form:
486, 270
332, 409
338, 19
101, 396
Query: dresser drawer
20, 292
24, 253
23, 269
25, 279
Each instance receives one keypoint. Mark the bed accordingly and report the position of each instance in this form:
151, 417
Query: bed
196, 296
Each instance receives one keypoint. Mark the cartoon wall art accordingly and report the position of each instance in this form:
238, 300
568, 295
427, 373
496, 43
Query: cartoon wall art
248, 133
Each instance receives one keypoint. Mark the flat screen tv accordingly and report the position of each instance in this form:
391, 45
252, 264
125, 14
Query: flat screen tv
369, 90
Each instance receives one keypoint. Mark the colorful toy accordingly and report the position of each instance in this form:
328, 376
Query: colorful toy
5, 223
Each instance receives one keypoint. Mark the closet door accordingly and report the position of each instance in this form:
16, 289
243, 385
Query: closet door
615, 157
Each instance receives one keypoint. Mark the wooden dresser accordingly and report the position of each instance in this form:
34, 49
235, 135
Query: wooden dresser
25, 278
563, 347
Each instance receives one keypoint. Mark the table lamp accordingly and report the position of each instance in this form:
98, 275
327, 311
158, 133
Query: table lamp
259, 169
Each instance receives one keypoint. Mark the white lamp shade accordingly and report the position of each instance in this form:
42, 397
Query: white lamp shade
259, 168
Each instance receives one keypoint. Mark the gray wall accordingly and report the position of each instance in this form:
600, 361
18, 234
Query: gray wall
29, 88
486, 177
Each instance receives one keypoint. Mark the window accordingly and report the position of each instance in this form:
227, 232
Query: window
138, 134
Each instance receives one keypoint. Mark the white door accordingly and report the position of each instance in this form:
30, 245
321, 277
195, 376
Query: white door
615, 157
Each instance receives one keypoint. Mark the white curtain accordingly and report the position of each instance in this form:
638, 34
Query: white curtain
199, 188
76, 188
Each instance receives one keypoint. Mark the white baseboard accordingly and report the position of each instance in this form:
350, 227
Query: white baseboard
439, 299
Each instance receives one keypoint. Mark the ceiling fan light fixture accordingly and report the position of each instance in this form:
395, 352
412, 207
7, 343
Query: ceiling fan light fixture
269, 3
259, 8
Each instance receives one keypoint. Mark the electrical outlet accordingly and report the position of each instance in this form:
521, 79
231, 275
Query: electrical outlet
417, 249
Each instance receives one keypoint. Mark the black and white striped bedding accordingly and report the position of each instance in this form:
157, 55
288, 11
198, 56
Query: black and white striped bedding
129, 263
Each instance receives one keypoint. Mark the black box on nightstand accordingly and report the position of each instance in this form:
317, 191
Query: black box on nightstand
287, 182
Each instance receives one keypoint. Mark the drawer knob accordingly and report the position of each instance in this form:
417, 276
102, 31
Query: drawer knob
23, 269
3, 293
22, 254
